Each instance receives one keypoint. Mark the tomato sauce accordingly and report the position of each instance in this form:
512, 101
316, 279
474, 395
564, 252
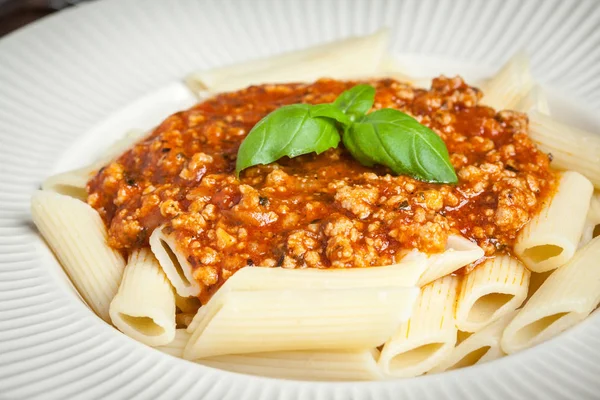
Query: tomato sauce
327, 210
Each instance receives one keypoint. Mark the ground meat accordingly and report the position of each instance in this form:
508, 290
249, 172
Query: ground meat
358, 200
327, 210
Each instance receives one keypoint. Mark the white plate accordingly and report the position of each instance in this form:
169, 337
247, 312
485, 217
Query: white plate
86, 69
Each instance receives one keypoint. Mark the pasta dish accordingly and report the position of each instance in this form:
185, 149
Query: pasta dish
348, 226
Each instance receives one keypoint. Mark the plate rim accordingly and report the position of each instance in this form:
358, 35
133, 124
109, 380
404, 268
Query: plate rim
80, 317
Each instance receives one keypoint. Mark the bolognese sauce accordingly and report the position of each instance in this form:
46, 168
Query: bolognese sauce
326, 210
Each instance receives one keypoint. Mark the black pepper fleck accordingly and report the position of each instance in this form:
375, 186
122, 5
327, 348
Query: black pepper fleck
263, 201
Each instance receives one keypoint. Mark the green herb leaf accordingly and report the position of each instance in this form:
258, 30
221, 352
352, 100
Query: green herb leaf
288, 131
387, 137
328, 110
398, 141
357, 101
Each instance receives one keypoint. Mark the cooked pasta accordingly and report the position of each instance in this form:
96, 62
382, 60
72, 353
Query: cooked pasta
510, 85
536, 280
344, 59
493, 289
354, 365
188, 305
176, 346
404, 274
77, 235
174, 264
572, 149
550, 239
144, 306
535, 100
459, 252
568, 296
478, 348
592, 221
73, 183
428, 337
308, 261
364, 318
304, 365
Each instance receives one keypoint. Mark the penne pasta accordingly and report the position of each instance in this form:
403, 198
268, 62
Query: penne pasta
254, 216
535, 282
343, 59
428, 337
459, 253
550, 239
78, 237
389, 67
404, 274
535, 100
510, 85
299, 319
592, 221
478, 348
568, 296
120, 146
176, 346
174, 263
305, 365
144, 307
354, 365
73, 183
493, 289
571, 148
189, 305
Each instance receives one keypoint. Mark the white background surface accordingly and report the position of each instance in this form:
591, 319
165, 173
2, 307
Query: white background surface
72, 82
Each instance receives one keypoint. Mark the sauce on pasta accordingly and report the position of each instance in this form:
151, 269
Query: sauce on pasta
326, 210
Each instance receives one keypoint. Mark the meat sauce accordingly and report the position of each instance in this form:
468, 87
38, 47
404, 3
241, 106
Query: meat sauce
327, 210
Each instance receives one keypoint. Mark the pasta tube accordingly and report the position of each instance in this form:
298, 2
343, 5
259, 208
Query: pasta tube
459, 252
510, 85
299, 319
120, 146
568, 296
491, 290
571, 148
144, 307
478, 348
354, 365
73, 183
324, 365
592, 221
535, 100
428, 337
404, 274
188, 305
174, 263
176, 346
535, 282
344, 59
550, 239
78, 237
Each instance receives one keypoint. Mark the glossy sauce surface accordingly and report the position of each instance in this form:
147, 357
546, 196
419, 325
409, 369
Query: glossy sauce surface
326, 210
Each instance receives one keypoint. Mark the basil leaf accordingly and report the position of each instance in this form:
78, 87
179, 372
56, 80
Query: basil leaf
288, 131
398, 141
357, 101
330, 111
